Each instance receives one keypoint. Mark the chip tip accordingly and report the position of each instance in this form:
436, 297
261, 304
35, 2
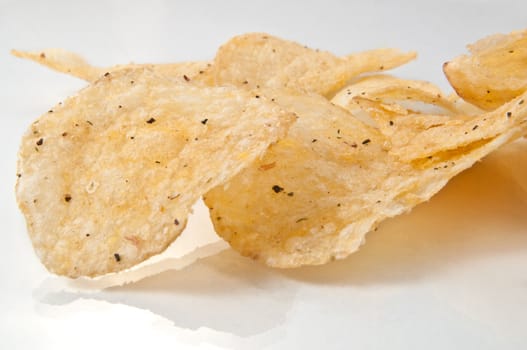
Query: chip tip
15, 52
414, 54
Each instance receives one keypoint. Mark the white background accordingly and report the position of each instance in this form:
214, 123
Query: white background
452, 274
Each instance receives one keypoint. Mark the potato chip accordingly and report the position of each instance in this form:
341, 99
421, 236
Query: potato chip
395, 96
462, 106
416, 136
108, 178
70, 63
495, 71
393, 91
261, 60
63, 61
316, 193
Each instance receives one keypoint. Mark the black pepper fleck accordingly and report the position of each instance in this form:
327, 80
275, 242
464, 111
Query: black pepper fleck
40, 142
106, 74
186, 78
365, 142
277, 189
204, 121
291, 194
475, 127
176, 222
509, 114
151, 120
391, 122
67, 197
117, 257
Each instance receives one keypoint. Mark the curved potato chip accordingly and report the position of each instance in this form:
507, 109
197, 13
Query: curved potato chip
108, 178
495, 71
393, 91
416, 136
316, 193
261, 60
70, 63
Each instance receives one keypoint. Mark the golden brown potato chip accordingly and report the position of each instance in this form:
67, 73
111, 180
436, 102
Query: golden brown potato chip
495, 71
261, 60
70, 63
316, 193
108, 178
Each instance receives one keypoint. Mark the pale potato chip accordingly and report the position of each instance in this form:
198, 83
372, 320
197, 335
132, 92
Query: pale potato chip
395, 92
108, 178
62, 61
462, 106
416, 136
395, 96
261, 60
495, 71
70, 63
316, 193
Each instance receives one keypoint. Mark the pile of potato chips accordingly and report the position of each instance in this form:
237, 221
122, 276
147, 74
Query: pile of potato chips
297, 153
